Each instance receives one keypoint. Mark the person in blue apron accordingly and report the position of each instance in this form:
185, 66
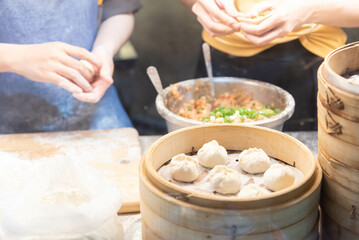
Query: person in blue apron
44, 83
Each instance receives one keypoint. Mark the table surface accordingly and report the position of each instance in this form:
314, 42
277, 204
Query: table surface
132, 222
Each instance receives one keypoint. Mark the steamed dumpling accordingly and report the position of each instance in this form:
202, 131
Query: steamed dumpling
252, 191
254, 160
225, 180
212, 154
184, 168
278, 177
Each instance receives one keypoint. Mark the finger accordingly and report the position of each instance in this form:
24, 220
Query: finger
259, 29
82, 53
210, 8
64, 83
259, 8
99, 88
80, 66
216, 29
230, 8
74, 76
267, 38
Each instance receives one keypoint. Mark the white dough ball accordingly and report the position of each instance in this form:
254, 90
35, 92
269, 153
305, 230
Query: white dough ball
278, 177
225, 180
184, 168
254, 160
212, 154
252, 191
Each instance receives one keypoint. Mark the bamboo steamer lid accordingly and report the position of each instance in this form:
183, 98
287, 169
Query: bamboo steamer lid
337, 149
331, 230
337, 126
339, 172
231, 137
340, 61
166, 217
342, 103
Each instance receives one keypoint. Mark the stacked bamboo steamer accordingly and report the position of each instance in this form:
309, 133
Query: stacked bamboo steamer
338, 135
172, 212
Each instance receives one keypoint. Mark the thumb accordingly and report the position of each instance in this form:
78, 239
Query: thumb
106, 74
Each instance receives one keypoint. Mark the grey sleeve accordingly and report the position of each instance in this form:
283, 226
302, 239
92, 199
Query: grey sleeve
114, 7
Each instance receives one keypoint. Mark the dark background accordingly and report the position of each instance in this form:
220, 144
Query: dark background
168, 36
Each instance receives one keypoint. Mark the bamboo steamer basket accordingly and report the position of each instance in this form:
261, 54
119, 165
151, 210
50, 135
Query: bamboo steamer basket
345, 175
337, 126
342, 103
340, 204
172, 214
343, 152
330, 230
274, 143
166, 217
340, 61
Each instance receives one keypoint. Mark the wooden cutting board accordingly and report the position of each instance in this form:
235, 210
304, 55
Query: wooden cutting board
116, 153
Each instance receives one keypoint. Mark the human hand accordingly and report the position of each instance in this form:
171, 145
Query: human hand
102, 80
285, 16
217, 16
55, 62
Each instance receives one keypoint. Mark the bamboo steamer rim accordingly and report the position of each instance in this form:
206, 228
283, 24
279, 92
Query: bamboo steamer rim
331, 159
323, 136
342, 103
332, 76
337, 126
327, 84
144, 179
159, 181
334, 112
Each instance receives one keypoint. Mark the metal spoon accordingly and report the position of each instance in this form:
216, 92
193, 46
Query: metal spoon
156, 80
207, 60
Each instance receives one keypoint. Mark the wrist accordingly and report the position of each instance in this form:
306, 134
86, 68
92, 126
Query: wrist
11, 53
310, 11
103, 51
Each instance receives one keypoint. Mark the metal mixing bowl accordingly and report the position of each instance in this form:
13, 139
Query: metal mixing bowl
265, 93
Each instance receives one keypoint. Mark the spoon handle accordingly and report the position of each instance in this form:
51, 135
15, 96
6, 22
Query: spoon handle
207, 59
155, 79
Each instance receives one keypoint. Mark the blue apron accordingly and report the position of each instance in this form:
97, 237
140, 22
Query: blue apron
28, 106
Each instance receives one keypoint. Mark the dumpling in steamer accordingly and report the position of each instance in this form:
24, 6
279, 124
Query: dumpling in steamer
184, 168
212, 154
225, 180
252, 191
278, 177
254, 160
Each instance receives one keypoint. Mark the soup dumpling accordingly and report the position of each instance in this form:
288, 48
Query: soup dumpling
212, 154
225, 180
184, 168
252, 191
278, 177
254, 160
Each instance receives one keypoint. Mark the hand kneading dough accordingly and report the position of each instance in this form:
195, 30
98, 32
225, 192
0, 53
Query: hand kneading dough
184, 168
254, 160
252, 191
225, 180
212, 154
278, 177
